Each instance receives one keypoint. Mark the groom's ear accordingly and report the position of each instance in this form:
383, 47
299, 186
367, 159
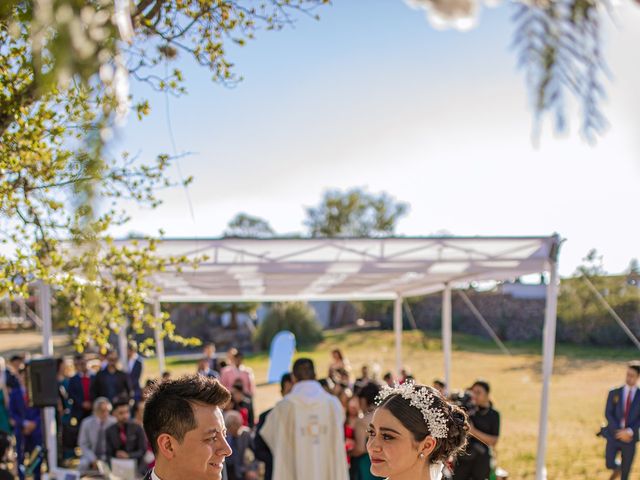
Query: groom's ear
166, 445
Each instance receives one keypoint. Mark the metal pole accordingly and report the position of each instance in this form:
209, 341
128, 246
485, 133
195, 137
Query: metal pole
447, 328
45, 315
157, 313
49, 420
611, 311
397, 328
483, 322
122, 346
548, 352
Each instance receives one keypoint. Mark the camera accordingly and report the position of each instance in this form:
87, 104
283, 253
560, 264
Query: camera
464, 400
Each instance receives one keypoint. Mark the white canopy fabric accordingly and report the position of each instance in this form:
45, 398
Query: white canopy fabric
237, 270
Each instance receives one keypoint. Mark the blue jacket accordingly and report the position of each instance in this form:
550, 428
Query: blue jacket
21, 412
134, 378
614, 411
76, 397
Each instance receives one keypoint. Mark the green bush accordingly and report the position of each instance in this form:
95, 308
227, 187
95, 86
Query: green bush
297, 317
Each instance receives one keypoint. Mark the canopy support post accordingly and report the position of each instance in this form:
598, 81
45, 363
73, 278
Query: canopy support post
122, 346
49, 420
157, 313
397, 328
447, 333
548, 352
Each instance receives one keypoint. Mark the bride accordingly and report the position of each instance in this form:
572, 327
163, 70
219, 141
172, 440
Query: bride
413, 431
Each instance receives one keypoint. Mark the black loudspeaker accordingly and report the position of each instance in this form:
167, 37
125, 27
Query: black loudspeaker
42, 384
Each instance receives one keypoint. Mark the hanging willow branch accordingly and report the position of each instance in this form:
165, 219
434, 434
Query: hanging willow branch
558, 45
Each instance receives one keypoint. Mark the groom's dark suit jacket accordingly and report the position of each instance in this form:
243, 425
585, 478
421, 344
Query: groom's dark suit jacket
614, 412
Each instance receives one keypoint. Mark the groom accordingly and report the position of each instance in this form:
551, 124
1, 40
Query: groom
184, 425
623, 421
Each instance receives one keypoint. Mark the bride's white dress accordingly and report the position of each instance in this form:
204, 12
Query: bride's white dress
435, 471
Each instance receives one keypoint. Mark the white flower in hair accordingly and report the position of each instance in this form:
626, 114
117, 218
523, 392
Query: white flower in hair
422, 399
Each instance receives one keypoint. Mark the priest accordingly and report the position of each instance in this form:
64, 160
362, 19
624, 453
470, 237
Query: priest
305, 431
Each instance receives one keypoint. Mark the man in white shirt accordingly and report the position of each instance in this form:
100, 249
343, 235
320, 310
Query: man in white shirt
623, 421
305, 431
185, 428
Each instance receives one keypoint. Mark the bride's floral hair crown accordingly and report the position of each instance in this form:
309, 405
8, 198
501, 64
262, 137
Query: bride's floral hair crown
423, 399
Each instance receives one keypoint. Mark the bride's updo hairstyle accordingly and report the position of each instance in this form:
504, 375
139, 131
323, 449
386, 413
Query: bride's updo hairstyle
448, 424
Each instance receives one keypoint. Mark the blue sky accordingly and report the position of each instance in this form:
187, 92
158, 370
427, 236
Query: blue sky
373, 96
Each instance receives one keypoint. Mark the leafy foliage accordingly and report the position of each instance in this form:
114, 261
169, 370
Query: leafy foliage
559, 47
297, 317
64, 72
354, 213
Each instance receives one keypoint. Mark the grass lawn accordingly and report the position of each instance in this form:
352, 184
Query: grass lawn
582, 377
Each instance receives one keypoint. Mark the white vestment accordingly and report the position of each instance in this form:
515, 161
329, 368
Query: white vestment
305, 432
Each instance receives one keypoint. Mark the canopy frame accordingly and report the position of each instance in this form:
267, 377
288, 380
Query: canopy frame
415, 270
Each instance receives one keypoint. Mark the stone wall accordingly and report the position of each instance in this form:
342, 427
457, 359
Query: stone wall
511, 318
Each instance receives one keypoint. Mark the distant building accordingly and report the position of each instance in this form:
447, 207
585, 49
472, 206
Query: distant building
529, 291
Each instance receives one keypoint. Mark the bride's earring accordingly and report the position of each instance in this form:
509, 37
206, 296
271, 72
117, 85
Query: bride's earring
422, 456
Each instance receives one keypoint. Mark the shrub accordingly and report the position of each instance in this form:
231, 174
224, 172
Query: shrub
297, 317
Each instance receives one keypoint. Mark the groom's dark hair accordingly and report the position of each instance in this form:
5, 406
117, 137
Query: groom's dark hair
303, 369
169, 407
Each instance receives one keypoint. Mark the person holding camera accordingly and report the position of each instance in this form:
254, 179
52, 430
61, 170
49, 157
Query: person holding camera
484, 431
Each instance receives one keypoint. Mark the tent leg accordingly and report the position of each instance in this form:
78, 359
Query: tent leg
157, 313
548, 352
49, 419
122, 347
397, 328
447, 327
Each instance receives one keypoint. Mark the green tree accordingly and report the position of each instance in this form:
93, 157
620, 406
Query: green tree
354, 213
297, 317
64, 72
247, 226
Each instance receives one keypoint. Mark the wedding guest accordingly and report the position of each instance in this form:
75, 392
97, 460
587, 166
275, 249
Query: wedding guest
16, 365
239, 465
362, 380
309, 422
27, 424
134, 369
204, 368
92, 439
5, 425
237, 371
242, 405
126, 439
440, 386
484, 431
80, 390
209, 352
338, 363
623, 420
111, 382
360, 461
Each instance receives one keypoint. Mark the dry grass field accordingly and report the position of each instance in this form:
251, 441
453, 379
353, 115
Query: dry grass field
582, 377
